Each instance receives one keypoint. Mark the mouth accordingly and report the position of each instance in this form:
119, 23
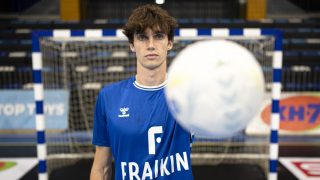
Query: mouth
151, 56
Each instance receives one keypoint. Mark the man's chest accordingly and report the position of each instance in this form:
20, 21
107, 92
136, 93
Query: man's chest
134, 115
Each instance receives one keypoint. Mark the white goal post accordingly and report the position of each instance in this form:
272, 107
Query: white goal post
79, 62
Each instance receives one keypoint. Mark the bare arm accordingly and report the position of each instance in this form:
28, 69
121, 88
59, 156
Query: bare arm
102, 164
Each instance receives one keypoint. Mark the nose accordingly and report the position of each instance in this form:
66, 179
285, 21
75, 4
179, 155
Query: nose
151, 44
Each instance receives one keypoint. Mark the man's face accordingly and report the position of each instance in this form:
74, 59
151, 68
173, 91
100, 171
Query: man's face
151, 49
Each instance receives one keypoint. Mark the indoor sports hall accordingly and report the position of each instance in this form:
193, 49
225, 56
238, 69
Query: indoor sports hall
56, 55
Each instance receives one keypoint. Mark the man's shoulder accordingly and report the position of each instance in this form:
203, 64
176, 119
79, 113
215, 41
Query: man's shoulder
117, 86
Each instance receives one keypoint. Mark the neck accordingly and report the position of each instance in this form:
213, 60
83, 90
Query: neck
153, 77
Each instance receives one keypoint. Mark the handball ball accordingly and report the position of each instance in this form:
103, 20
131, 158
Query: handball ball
214, 88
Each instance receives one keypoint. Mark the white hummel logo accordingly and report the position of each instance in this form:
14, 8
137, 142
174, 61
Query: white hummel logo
124, 112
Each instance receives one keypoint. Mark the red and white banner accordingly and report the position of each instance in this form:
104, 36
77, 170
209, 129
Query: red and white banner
303, 168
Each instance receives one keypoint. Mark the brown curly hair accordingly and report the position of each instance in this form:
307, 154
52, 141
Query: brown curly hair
150, 16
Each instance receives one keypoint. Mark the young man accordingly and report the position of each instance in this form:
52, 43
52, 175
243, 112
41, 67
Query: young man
132, 123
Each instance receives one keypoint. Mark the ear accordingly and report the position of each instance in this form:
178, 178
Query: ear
170, 45
132, 47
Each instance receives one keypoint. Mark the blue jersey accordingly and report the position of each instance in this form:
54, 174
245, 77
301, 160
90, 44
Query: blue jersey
145, 139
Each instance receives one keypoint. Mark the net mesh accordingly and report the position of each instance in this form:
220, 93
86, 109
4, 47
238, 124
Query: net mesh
83, 66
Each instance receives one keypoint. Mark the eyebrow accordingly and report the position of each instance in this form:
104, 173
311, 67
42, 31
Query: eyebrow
157, 32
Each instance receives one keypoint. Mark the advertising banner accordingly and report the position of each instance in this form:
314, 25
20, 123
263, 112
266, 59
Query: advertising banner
17, 109
299, 115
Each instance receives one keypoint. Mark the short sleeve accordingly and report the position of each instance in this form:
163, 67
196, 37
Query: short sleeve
100, 128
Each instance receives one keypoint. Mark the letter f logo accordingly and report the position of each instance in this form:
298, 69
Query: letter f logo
151, 138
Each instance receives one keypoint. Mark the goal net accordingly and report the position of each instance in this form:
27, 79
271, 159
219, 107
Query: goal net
82, 66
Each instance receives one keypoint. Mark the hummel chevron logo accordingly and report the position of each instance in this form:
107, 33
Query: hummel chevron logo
124, 112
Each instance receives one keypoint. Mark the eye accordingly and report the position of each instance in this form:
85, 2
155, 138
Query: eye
159, 36
142, 37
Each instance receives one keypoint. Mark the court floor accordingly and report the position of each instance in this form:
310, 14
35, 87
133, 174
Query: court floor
225, 172
81, 170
